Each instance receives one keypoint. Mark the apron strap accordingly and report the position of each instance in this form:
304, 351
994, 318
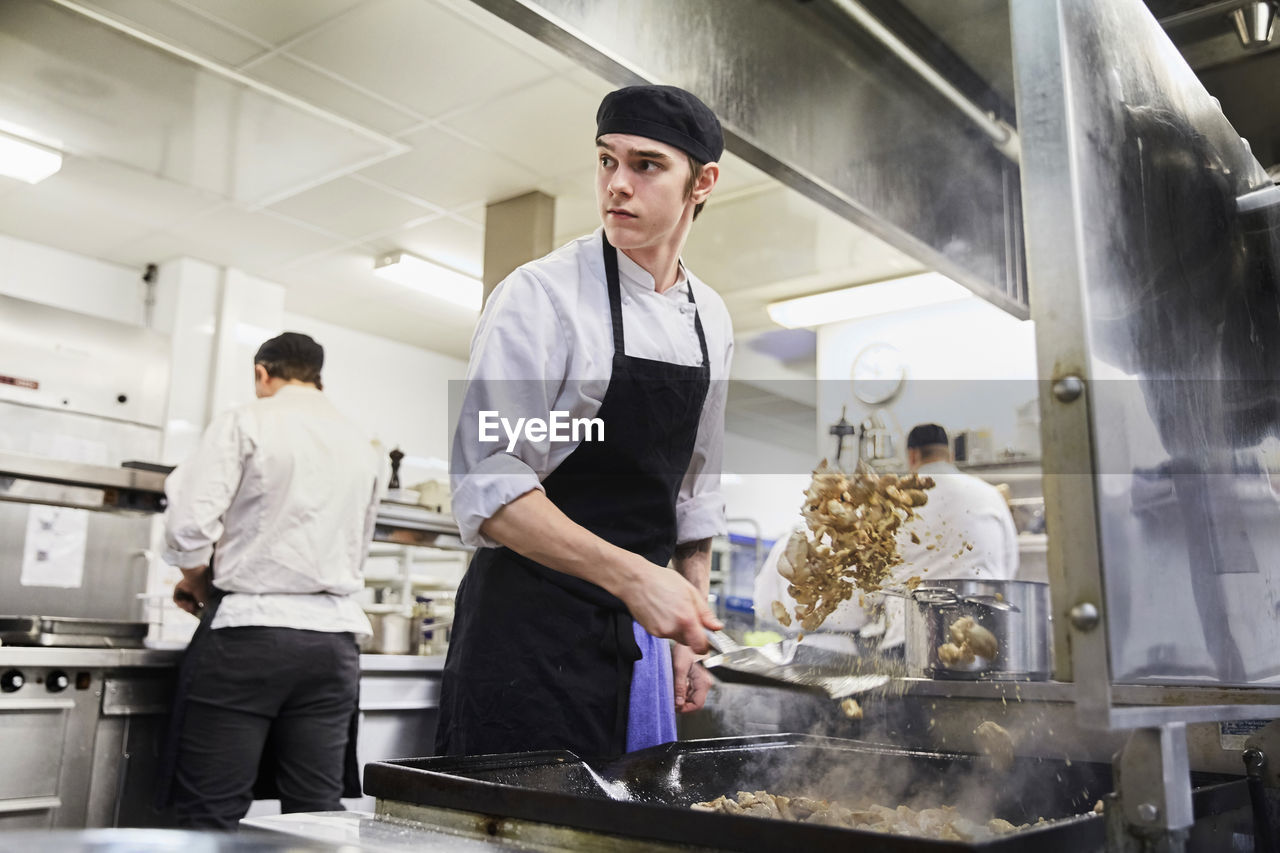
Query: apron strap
615, 304
697, 324
615, 294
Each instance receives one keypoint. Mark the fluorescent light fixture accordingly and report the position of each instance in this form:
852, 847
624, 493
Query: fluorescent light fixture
867, 300
431, 279
27, 161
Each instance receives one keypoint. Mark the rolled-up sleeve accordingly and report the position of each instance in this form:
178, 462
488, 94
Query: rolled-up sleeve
199, 493
700, 505
518, 363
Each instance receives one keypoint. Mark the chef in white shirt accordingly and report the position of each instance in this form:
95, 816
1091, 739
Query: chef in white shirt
286, 488
966, 531
559, 639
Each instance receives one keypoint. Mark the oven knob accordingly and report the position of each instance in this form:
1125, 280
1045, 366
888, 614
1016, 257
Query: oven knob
12, 681
57, 681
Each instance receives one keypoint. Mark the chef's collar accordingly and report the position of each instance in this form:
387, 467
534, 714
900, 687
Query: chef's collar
939, 467
632, 274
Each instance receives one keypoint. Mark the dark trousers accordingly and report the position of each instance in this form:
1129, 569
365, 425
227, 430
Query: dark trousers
281, 690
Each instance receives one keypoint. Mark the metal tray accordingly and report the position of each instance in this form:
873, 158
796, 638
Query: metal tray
647, 794
68, 631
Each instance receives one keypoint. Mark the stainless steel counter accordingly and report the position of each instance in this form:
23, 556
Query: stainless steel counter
160, 657
88, 658
81, 729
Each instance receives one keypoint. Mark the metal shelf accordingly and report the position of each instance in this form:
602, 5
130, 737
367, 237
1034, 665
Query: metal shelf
403, 524
55, 482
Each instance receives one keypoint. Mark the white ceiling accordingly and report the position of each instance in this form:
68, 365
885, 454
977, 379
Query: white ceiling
298, 139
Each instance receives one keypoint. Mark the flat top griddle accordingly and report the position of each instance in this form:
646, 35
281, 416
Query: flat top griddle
647, 794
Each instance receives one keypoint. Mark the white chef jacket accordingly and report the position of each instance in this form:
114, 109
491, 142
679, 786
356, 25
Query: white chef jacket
288, 489
962, 509
545, 343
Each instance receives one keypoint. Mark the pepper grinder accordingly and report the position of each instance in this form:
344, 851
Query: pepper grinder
396, 455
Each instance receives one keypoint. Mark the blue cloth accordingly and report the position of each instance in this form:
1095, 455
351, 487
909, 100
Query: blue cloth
651, 719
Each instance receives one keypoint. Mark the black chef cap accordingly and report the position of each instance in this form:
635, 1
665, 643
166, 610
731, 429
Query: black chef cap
925, 435
291, 348
666, 114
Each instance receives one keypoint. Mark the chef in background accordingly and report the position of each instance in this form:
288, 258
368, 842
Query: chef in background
965, 531
561, 628
287, 489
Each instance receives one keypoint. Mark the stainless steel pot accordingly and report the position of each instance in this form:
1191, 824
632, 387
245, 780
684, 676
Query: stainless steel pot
1016, 612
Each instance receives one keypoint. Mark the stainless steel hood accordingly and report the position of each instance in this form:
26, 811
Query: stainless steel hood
808, 95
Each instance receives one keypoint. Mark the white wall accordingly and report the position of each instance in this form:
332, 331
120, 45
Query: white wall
969, 366
399, 393
771, 500
65, 280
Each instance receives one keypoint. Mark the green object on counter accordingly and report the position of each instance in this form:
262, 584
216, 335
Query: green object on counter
761, 638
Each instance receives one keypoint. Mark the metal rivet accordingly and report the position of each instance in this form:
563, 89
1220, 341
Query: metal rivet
1084, 616
1148, 812
1068, 388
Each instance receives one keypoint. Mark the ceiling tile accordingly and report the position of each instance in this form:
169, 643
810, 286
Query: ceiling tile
182, 28
351, 208
101, 93
126, 193
275, 21
472, 213
249, 241
38, 214
548, 127
737, 175
448, 172
332, 94
446, 240
154, 248
590, 82
417, 54
512, 35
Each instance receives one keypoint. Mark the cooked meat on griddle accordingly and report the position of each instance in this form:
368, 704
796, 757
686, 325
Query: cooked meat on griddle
851, 539
943, 823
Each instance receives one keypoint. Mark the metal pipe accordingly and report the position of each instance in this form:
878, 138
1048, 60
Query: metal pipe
755, 525
1001, 134
1209, 10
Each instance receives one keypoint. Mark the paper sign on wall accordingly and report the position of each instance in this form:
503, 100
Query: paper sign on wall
54, 548
53, 553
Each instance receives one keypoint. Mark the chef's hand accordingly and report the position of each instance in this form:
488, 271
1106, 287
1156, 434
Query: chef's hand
692, 681
192, 592
668, 606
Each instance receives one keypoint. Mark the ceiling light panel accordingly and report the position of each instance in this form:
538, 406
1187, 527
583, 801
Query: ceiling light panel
868, 300
432, 279
26, 161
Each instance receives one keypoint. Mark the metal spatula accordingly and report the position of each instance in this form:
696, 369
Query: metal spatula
793, 664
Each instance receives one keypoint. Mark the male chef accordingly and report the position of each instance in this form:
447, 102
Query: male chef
560, 636
966, 531
287, 489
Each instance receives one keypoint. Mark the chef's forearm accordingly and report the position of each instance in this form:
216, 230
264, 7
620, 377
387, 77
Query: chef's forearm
534, 527
693, 560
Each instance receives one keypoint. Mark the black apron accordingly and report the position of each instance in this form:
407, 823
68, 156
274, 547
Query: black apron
264, 787
539, 659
